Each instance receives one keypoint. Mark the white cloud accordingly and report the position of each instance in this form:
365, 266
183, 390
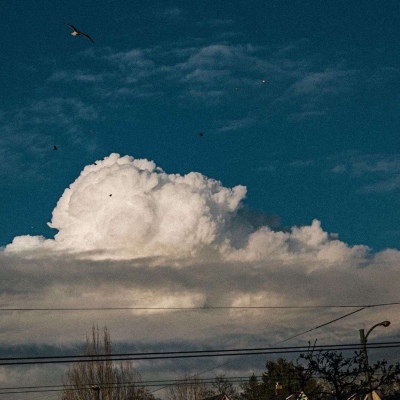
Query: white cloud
79, 76
330, 81
130, 208
237, 124
135, 58
314, 92
308, 245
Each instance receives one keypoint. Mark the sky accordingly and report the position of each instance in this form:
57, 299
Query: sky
216, 153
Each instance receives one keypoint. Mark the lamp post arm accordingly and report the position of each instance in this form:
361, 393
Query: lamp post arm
366, 336
384, 324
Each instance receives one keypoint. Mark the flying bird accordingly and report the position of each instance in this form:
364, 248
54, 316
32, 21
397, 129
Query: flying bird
55, 147
76, 32
201, 133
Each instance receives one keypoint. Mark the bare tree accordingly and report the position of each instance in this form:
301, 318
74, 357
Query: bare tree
340, 374
101, 377
345, 376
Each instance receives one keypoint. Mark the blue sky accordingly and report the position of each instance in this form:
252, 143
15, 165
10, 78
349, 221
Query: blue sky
319, 139
290, 197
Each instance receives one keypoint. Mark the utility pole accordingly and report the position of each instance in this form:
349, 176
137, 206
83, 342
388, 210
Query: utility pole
363, 340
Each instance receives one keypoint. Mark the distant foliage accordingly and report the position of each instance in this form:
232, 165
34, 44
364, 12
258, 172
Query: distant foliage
293, 378
190, 388
221, 385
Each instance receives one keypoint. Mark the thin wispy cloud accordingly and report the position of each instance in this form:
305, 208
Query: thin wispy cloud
297, 85
370, 172
316, 93
221, 23
236, 124
326, 82
373, 172
29, 134
79, 76
172, 13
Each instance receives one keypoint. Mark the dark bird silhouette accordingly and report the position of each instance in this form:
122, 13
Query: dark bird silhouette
110, 195
55, 147
76, 32
201, 134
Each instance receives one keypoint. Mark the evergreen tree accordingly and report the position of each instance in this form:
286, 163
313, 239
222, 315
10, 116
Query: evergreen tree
253, 389
282, 372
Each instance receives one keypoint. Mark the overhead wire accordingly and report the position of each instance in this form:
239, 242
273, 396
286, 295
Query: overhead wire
205, 353
184, 354
144, 384
299, 334
322, 325
249, 350
141, 384
28, 309
110, 385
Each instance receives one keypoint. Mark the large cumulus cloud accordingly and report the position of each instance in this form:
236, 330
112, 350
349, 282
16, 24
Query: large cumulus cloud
124, 208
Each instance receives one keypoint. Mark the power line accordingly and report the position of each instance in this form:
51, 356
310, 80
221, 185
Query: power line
107, 385
140, 383
301, 333
322, 325
186, 354
25, 309
203, 353
90, 357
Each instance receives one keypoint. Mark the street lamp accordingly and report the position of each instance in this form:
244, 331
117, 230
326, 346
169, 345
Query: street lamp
363, 339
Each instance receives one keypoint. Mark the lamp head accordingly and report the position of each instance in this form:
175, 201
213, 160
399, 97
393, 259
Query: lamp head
385, 324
